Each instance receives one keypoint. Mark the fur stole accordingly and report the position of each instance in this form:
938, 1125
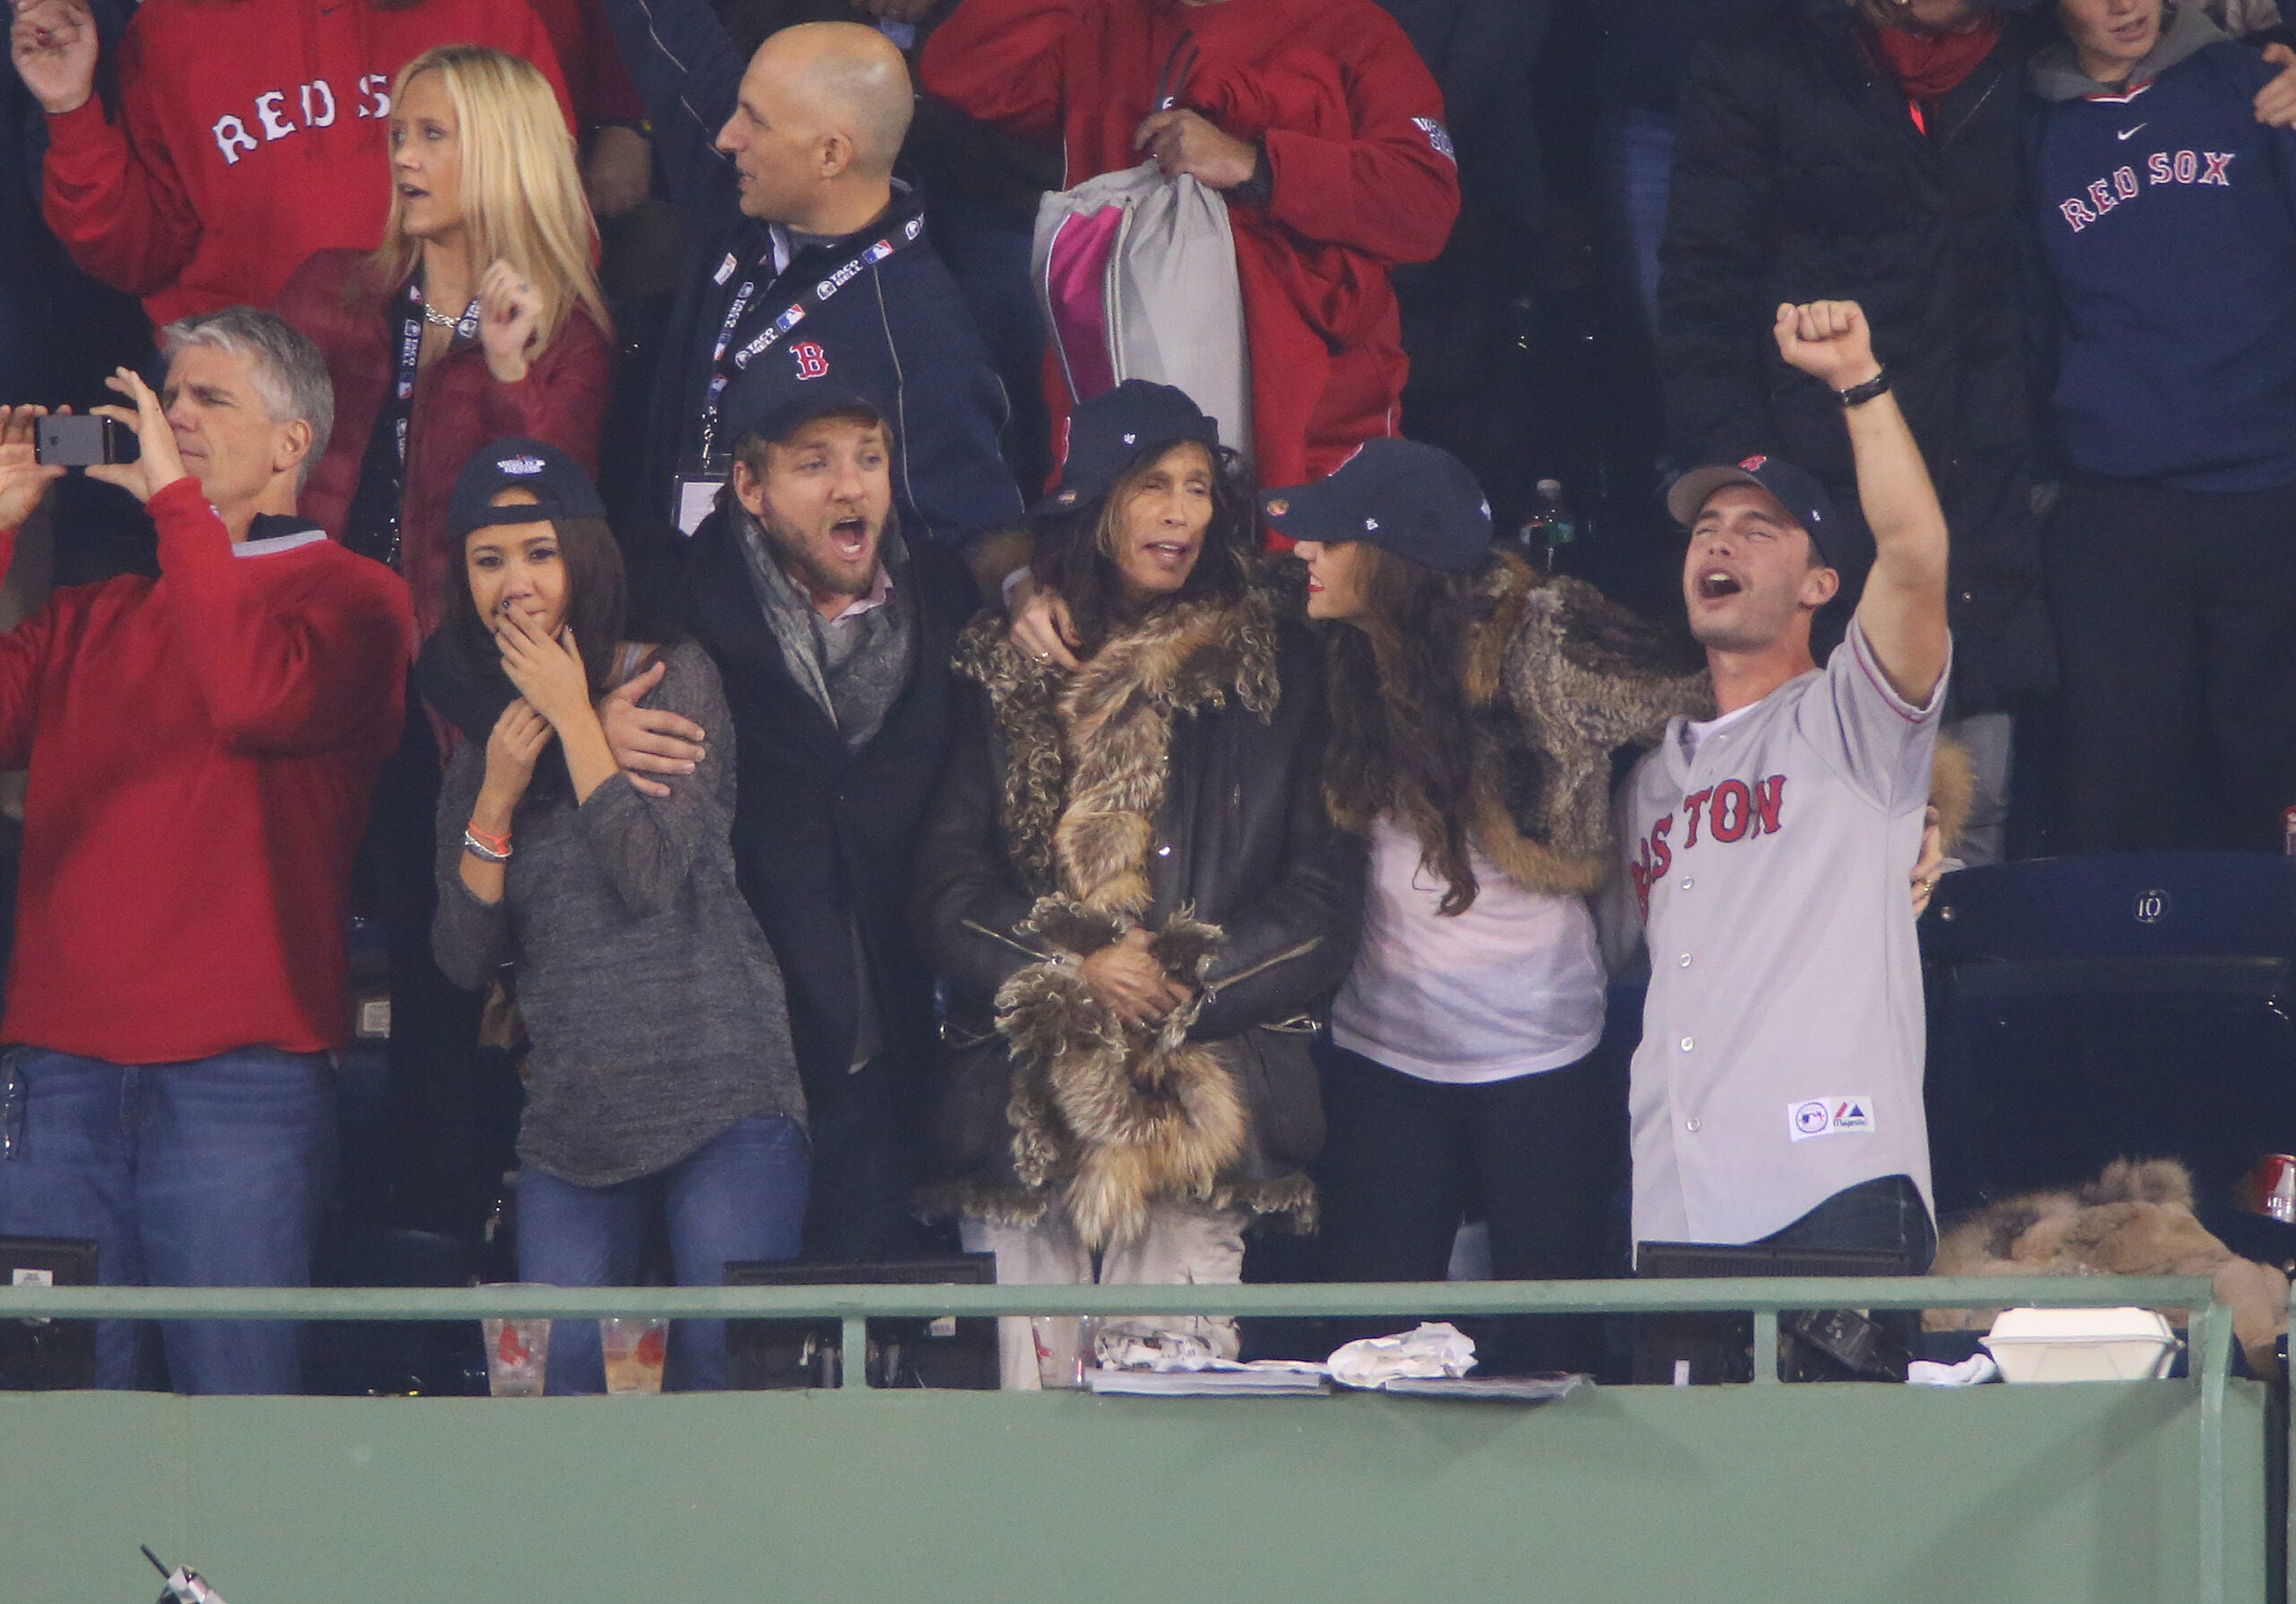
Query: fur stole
1105, 1116
1558, 678
2136, 1219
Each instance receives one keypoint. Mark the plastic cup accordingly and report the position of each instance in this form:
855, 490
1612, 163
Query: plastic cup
517, 1352
1064, 1345
634, 1346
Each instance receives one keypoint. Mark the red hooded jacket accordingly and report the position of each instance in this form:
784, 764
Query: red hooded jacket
1363, 171
338, 300
252, 132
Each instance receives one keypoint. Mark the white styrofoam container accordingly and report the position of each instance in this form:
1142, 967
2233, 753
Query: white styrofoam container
2082, 1345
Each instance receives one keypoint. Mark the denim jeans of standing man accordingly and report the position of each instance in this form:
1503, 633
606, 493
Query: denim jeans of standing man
212, 1172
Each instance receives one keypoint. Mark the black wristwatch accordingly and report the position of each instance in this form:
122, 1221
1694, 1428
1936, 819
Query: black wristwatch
1857, 395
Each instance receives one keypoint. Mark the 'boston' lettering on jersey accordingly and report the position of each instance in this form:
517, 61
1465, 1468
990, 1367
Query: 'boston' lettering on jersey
1731, 811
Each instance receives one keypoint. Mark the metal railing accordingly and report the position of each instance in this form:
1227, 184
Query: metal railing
2210, 1336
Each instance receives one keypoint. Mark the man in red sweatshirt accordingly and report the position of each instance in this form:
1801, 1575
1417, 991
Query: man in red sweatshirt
201, 747
1317, 120
249, 132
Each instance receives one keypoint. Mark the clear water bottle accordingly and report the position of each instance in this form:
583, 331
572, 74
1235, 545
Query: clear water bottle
1551, 527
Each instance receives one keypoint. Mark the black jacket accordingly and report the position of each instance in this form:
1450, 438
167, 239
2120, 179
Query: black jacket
1799, 176
1257, 898
823, 835
899, 333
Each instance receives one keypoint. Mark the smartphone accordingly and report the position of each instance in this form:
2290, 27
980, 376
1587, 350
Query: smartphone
71, 442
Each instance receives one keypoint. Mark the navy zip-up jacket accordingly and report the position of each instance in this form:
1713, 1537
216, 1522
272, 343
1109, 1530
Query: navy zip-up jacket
899, 333
2167, 217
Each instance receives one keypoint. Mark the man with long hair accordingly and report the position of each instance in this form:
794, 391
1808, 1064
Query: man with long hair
1776, 1095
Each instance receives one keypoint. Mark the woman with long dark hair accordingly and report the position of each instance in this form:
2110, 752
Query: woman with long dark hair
1475, 704
662, 1080
1132, 890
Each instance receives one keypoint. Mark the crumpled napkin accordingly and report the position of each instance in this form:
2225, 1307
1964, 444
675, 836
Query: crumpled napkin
1975, 1369
1138, 1347
1437, 1348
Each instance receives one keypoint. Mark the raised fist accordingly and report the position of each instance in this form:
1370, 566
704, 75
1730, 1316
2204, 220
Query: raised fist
54, 47
1829, 341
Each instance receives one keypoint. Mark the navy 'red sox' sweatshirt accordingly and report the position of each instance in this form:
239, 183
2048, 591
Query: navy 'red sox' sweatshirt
2166, 216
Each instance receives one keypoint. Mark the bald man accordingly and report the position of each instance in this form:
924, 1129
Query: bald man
812, 271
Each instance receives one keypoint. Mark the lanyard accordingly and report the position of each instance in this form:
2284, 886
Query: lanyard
729, 362
371, 527
410, 344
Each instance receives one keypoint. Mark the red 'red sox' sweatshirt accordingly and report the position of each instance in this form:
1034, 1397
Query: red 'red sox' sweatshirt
1363, 173
201, 748
254, 132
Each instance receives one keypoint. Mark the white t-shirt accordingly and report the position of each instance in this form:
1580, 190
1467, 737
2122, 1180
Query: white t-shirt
1513, 986
1693, 731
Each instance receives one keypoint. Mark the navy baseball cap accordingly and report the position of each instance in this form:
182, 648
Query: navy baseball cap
1803, 497
1108, 431
1413, 500
807, 404
560, 487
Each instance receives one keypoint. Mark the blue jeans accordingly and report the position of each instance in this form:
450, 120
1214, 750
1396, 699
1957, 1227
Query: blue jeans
1884, 1215
741, 1196
212, 1172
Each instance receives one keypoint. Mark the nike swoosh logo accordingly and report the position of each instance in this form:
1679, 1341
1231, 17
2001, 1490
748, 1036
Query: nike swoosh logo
2126, 133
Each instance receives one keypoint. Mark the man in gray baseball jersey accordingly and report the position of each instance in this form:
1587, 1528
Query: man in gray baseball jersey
1776, 1093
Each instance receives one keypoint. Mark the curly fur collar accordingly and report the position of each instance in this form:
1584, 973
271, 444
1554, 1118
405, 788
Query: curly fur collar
1101, 735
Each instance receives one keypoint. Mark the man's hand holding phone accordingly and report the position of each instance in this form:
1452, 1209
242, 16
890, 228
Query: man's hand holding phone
159, 467
24, 478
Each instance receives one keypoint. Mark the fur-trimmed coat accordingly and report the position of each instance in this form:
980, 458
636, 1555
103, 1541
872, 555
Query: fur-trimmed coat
1173, 783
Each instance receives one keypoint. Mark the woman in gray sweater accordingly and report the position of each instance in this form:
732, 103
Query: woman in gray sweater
662, 1076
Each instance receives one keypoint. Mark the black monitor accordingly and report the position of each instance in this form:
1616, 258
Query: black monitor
47, 1355
764, 1355
1701, 1349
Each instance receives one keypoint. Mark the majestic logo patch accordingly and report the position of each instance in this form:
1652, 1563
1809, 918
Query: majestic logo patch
520, 466
1829, 1116
1439, 137
1752, 465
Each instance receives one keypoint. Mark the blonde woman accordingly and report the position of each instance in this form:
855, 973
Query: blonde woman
479, 317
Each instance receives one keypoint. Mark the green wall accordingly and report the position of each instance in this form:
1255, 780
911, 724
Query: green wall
1845, 1494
